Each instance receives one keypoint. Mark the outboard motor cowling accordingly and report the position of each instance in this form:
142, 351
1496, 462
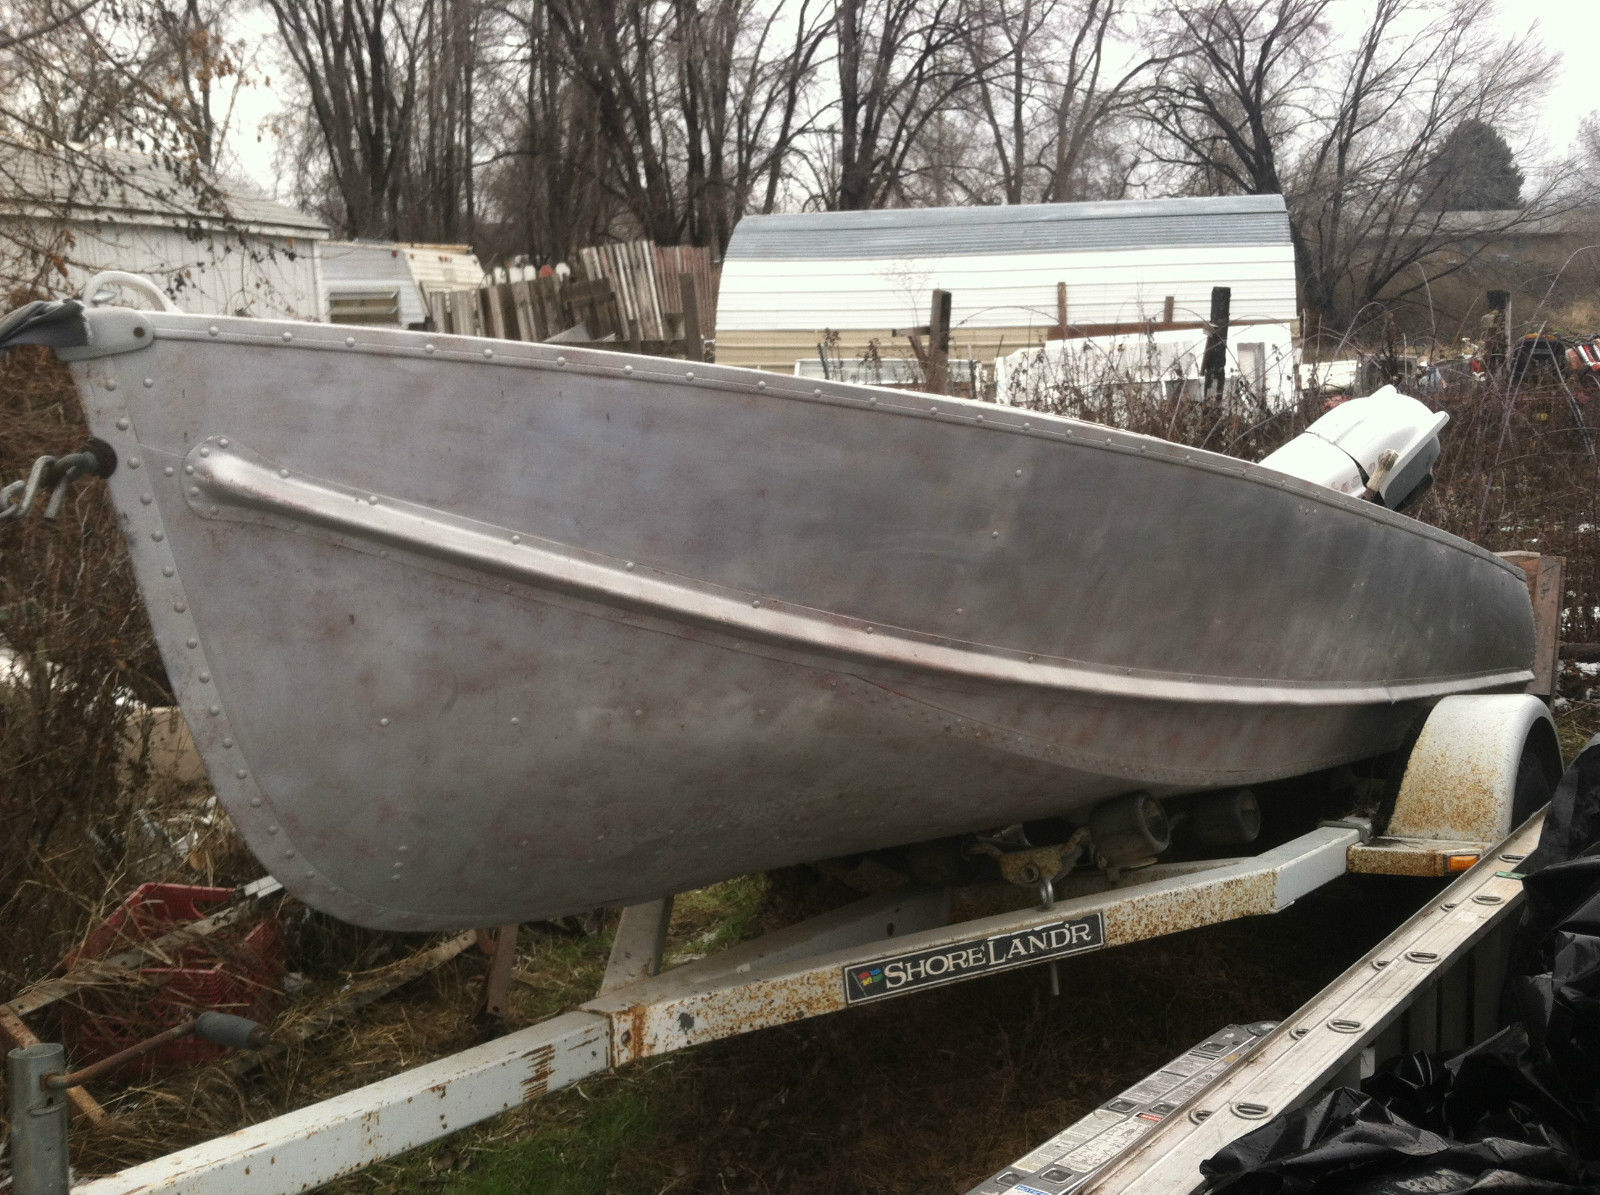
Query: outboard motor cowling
1380, 448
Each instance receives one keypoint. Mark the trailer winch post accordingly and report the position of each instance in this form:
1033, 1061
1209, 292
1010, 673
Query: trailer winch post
38, 1120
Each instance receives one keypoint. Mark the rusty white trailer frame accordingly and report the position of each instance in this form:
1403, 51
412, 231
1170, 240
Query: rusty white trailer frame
786, 976
1432, 984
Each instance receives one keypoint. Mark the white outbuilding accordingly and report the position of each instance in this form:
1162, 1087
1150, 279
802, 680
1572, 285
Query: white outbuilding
385, 283
65, 215
826, 290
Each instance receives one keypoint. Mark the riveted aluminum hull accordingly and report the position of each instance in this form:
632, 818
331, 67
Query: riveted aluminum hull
472, 632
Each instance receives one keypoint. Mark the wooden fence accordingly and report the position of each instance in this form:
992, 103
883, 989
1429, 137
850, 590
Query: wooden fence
637, 296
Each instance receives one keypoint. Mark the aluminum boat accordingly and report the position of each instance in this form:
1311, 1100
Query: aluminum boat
471, 632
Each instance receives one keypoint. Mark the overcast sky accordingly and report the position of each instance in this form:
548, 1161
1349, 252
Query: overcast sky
1565, 24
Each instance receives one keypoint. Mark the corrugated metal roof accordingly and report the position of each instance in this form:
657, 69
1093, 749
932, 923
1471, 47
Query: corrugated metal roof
1025, 228
102, 183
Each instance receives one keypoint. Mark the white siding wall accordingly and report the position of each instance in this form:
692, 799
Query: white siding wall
444, 267
268, 276
1005, 290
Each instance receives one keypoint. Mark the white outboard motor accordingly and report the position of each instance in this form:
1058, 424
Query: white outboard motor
1380, 448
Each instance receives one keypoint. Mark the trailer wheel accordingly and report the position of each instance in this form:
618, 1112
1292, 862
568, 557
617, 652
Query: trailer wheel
1538, 773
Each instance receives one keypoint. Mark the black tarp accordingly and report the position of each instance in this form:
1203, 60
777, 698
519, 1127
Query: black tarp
1518, 1112
58, 323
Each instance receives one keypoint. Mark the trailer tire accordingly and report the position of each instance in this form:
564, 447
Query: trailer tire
1538, 773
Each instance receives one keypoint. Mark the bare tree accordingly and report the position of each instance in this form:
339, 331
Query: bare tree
357, 61
1261, 97
204, 66
1007, 56
768, 122
699, 105
439, 197
739, 93
613, 47
108, 75
1092, 94
1054, 86
543, 186
42, 25
107, 104
900, 65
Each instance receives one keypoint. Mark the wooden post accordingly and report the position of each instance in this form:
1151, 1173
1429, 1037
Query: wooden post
938, 354
694, 347
496, 985
546, 295
463, 312
1168, 310
495, 296
1061, 309
522, 294
1497, 330
1544, 591
1214, 367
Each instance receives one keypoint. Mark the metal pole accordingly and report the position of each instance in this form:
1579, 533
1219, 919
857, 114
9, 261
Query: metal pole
38, 1121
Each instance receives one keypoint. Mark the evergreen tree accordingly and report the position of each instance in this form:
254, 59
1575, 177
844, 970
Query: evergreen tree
1473, 171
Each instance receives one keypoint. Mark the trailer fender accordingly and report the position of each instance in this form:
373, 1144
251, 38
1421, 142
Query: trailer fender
1483, 764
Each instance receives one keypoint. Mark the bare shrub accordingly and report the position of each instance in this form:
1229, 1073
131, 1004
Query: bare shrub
1151, 388
79, 652
1520, 470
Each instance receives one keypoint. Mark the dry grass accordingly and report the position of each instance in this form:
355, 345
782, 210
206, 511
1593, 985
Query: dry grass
82, 650
423, 1020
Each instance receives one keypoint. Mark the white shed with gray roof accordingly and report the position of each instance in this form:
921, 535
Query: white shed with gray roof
66, 213
846, 279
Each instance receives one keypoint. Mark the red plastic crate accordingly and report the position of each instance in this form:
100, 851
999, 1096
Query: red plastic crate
237, 970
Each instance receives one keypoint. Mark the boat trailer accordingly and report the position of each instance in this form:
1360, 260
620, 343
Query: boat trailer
1432, 984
